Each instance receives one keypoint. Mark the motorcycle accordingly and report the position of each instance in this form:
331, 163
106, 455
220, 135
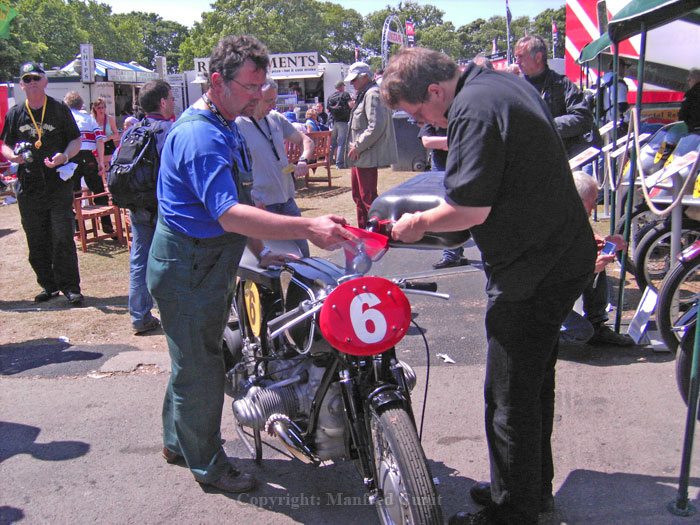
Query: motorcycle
315, 365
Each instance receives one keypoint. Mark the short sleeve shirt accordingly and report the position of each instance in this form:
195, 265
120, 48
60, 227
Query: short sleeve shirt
439, 155
504, 152
270, 185
196, 181
58, 130
90, 130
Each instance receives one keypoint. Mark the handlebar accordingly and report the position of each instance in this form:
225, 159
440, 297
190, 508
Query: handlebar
426, 287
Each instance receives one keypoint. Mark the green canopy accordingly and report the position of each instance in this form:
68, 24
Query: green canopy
652, 13
593, 49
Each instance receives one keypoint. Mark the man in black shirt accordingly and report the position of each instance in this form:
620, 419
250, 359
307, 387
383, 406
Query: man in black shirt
507, 180
690, 107
45, 199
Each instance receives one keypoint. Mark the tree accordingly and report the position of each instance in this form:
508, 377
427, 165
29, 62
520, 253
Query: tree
152, 36
543, 27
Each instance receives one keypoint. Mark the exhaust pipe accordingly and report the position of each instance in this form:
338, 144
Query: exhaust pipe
290, 435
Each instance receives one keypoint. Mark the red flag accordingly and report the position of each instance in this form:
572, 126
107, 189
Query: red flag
555, 38
357, 54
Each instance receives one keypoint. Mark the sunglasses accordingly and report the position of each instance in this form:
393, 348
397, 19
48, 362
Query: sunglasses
31, 78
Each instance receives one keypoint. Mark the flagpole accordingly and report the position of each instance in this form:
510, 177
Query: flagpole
508, 17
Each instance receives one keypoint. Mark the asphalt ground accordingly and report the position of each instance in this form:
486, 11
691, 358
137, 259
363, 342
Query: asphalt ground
80, 431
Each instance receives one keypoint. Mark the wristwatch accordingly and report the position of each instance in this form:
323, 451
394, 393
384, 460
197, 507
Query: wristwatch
302, 159
264, 252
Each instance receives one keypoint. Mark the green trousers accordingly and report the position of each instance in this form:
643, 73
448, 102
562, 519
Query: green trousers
192, 281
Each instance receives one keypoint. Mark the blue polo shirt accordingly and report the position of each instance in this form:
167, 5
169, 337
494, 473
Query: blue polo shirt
196, 180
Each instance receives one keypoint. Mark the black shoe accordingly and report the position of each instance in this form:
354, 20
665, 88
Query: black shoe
74, 297
149, 325
481, 495
44, 296
483, 517
450, 263
604, 335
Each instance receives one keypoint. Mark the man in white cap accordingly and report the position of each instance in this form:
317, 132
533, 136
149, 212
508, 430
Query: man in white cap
371, 142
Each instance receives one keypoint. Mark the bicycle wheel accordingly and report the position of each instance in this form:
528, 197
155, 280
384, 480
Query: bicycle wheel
653, 253
642, 221
675, 307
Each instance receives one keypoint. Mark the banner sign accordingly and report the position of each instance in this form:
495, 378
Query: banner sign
285, 64
87, 64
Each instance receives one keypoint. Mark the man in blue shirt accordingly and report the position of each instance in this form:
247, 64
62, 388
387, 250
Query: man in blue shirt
205, 218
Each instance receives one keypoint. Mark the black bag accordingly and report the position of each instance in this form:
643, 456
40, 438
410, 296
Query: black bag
133, 173
110, 147
339, 107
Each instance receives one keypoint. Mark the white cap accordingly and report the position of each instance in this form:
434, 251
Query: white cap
357, 69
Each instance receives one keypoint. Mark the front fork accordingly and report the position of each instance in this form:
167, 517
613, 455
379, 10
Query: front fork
359, 408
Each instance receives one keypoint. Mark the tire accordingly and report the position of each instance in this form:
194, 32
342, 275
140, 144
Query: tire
678, 294
403, 476
643, 220
684, 363
653, 254
232, 345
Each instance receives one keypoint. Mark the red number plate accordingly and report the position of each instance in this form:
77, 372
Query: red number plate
365, 316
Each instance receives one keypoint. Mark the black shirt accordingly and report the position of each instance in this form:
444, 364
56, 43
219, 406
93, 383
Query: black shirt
504, 152
58, 130
690, 108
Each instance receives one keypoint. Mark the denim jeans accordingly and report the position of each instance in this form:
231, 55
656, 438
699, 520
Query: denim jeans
342, 134
290, 209
143, 224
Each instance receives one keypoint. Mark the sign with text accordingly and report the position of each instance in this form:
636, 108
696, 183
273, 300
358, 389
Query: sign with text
201, 65
285, 64
394, 37
87, 64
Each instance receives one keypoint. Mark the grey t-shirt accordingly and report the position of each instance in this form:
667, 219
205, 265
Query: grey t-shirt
270, 185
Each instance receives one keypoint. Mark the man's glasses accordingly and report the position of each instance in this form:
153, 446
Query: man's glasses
31, 78
248, 89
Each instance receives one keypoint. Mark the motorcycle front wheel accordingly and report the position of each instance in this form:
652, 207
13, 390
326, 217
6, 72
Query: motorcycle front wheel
675, 308
407, 492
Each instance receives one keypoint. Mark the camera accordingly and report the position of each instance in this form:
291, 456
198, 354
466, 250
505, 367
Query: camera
25, 150
609, 248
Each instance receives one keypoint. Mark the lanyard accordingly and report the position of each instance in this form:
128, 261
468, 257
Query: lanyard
245, 156
269, 138
39, 129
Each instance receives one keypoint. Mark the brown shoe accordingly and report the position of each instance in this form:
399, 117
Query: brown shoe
232, 481
171, 457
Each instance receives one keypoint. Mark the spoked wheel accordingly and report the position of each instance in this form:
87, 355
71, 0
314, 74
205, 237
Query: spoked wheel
653, 254
407, 492
675, 308
684, 362
643, 220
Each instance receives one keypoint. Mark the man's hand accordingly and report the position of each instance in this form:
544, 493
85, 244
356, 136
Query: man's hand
619, 240
353, 154
407, 228
602, 261
327, 231
59, 159
301, 170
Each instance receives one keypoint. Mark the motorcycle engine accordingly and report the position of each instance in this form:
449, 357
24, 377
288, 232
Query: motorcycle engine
289, 388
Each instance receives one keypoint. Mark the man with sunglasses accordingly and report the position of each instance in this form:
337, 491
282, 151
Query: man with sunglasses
205, 218
51, 136
507, 179
265, 132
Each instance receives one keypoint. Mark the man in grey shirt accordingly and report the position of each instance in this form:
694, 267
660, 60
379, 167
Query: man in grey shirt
273, 178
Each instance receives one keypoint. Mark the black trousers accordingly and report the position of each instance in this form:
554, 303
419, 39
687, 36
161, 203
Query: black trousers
47, 220
89, 170
523, 343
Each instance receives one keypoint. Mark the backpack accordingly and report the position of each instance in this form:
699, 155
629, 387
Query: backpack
133, 173
339, 107
602, 97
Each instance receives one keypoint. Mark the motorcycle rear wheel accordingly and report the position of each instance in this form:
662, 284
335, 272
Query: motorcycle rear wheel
408, 494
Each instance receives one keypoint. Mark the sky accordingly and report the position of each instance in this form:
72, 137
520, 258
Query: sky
459, 12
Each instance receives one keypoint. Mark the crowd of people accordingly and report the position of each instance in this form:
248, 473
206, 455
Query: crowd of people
503, 140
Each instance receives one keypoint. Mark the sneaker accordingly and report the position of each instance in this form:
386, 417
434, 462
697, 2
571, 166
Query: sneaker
232, 481
149, 325
44, 296
450, 263
604, 335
